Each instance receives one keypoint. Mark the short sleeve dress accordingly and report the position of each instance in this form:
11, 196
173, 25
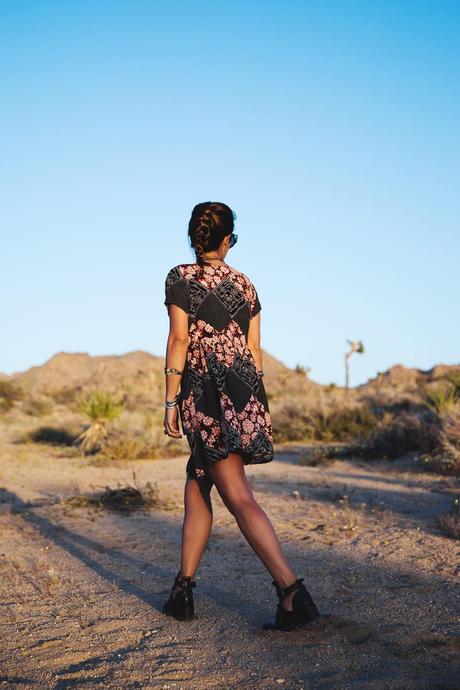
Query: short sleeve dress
222, 400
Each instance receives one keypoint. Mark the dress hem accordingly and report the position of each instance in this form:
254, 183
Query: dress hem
191, 473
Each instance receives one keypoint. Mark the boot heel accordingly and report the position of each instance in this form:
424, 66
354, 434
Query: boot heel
180, 604
304, 609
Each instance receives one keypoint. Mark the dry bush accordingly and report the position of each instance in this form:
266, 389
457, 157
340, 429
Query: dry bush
130, 448
321, 423
38, 407
346, 424
67, 396
317, 455
9, 393
291, 423
445, 404
450, 522
122, 499
447, 457
125, 447
405, 433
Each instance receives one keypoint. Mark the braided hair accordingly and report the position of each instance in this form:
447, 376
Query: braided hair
210, 222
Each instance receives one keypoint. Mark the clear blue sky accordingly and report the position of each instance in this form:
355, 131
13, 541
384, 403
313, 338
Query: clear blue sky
331, 128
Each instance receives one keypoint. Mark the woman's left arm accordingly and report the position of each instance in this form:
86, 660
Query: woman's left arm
176, 356
178, 305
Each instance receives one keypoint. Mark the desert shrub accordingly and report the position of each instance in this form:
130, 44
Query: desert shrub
441, 399
453, 377
315, 456
54, 436
9, 393
445, 405
66, 396
405, 433
123, 499
450, 522
292, 424
125, 446
396, 407
301, 369
38, 407
101, 408
345, 424
129, 448
447, 455
5, 405
101, 405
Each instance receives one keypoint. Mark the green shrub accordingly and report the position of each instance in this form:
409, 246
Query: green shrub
101, 408
454, 378
9, 393
345, 424
442, 399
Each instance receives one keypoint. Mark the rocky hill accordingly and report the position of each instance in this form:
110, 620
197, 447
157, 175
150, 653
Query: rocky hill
139, 376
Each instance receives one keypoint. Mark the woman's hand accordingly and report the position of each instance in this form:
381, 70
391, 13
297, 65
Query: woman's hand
171, 422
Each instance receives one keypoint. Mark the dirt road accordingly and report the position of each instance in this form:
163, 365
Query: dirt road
81, 590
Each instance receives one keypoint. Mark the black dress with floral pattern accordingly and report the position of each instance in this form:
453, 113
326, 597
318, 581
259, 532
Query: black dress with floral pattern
222, 400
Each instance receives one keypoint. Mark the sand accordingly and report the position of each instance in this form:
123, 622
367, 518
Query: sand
81, 590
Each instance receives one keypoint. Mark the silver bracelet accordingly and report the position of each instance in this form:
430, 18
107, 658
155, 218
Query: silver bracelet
172, 370
172, 403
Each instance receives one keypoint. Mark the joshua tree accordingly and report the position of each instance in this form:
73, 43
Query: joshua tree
356, 346
100, 408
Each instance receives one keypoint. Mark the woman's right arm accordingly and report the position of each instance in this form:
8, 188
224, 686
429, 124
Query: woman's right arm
253, 340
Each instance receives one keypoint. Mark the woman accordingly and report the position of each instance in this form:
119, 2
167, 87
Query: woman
214, 378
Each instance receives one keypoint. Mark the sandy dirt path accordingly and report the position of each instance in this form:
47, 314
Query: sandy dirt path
81, 590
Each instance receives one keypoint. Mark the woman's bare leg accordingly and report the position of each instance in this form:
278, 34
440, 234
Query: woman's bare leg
197, 523
231, 482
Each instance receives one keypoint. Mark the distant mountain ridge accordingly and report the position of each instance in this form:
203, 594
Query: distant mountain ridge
141, 373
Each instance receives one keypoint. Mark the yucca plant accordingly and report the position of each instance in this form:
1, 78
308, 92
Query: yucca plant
454, 379
441, 400
101, 408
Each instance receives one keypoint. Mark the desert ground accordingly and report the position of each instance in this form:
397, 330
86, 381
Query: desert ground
82, 587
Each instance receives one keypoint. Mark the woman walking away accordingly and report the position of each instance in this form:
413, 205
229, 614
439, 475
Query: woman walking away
214, 380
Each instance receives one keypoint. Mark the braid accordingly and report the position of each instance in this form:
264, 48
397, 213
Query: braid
209, 224
203, 234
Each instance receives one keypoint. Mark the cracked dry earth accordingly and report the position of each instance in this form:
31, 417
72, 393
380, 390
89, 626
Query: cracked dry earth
81, 590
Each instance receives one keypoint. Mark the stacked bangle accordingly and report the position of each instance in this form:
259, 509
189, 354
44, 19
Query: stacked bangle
172, 403
171, 370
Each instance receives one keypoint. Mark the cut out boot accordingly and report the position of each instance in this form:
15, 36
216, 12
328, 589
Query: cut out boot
180, 603
304, 609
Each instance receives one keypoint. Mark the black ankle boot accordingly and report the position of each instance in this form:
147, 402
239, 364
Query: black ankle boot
304, 610
180, 603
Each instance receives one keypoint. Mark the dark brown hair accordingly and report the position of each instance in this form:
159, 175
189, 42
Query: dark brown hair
210, 222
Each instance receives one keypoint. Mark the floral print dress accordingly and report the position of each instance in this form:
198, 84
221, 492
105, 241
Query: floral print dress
222, 401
